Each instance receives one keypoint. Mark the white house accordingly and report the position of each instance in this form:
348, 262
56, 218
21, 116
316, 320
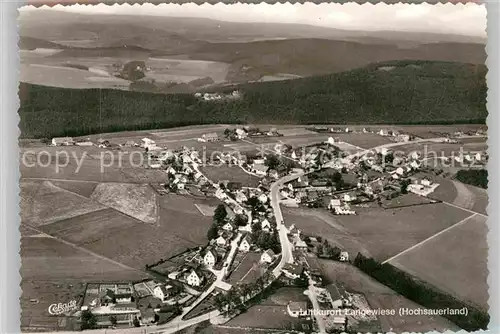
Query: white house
148, 143
220, 194
426, 182
85, 143
400, 171
478, 156
210, 258
171, 170
267, 256
292, 271
209, 137
383, 132
414, 155
300, 244
163, 292
241, 197
344, 256
244, 245
331, 140
349, 197
415, 165
344, 211
62, 141
265, 225
194, 279
220, 241
260, 169
263, 198
240, 133
278, 147
334, 203
294, 156
227, 227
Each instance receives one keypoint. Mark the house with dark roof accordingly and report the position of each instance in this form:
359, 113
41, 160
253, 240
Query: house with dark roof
260, 169
267, 256
292, 271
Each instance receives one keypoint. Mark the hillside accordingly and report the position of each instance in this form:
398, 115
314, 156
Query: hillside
252, 50
391, 92
30, 43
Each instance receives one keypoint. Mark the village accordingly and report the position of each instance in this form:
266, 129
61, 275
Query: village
323, 174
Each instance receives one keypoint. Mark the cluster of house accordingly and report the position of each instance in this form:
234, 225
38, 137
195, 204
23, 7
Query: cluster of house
305, 191
69, 141
218, 96
337, 299
397, 136
209, 137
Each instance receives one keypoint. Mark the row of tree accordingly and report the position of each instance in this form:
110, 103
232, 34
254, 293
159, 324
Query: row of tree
325, 250
239, 294
475, 177
422, 293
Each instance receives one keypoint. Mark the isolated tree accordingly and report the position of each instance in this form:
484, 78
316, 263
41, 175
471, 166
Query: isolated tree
319, 250
240, 220
220, 213
272, 161
113, 320
389, 158
88, 320
212, 232
220, 302
227, 132
136, 322
404, 186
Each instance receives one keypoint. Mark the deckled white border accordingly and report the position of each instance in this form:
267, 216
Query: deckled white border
9, 170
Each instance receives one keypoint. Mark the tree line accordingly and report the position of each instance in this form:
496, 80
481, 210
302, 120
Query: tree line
474, 177
436, 92
422, 293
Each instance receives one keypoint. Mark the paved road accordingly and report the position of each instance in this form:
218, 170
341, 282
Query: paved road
320, 320
286, 247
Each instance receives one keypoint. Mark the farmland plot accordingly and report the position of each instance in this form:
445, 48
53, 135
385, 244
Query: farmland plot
230, 173
388, 232
455, 261
46, 258
44, 203
97, 226
180, 226
321, 223
138, 201
380, 297
81, 188
271, 313
463, 195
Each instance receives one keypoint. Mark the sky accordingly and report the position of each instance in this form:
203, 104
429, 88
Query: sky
463, 19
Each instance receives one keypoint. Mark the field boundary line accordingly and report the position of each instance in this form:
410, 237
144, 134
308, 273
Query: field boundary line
468, 210
430, 238
76, 181
102, 257
246, 274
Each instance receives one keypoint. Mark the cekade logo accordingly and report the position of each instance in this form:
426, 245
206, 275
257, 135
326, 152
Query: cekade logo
60, 308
